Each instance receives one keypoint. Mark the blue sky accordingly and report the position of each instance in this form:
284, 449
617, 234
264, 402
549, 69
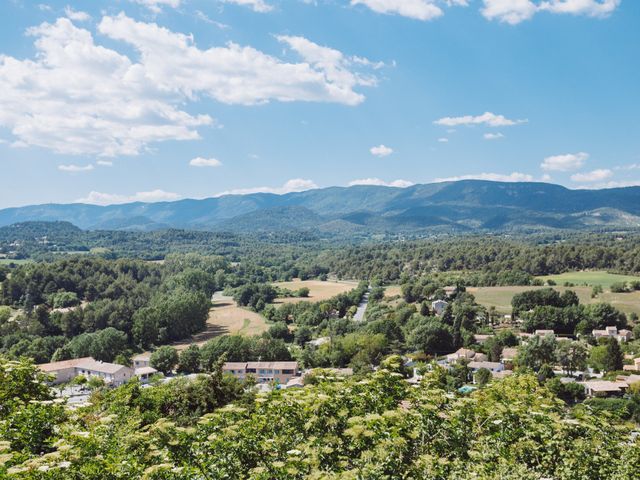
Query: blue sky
114, 101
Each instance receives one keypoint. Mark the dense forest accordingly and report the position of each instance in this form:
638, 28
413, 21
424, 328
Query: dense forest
198, 423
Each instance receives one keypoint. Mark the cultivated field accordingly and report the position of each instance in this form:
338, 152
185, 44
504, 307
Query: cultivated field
603, 279
318, 290
225, 317
500, 297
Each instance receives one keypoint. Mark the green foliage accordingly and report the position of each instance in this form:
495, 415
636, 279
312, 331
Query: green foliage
164, 359
64, 299
537, 351
189, 360
432, 337
482, 376
614, 358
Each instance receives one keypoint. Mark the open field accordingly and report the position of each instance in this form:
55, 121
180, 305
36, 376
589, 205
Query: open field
318, 290
500, 297
603, 279
225, 317
9, 261
392, 291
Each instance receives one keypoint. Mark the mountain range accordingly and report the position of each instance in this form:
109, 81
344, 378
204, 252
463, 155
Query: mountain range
468, 205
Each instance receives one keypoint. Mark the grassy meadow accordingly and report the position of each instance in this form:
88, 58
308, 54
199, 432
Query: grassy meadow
604, 279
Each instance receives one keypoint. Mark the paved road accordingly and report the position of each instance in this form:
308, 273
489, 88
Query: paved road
362, 308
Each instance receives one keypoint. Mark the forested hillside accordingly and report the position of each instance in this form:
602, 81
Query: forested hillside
451, 207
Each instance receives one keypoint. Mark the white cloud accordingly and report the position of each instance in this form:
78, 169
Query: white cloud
156, 5
487, 118
205, 162
509, 11
564, 163
105, 163
591, 8
76, 15
632, 166
594, 176
417, 9
203, 16
443, 140
256, 5
516, 11
376, 181
381, 151
494, 177
75, 168
293, 185
98, 198
77, 97
493, 136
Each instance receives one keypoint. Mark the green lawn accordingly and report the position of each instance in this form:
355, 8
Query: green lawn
500, 297
604, 279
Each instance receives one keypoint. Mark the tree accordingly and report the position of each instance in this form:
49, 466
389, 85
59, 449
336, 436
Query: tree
614, 358
482, 376
537, 351
107, 344
189, 360
5, 314
572, 356
431, 337
280, 330
164, 359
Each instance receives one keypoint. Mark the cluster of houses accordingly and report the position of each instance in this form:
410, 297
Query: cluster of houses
112, 374
594, 387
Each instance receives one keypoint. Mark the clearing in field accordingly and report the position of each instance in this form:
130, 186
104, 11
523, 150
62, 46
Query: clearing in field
226, 318
392, 291
318, 290
604, 279
500, 297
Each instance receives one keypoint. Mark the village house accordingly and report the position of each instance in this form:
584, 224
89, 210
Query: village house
605, 388
461, 354
508, 355
635, 367
145, 373
613, 332
493, 367
142, 360
66, 370
263, 372
439, 306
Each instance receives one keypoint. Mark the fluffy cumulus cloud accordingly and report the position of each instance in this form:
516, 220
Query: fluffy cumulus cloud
78, 97
418, 9
594, 176
256, 5
293, 185
494, 177
564, 163
488, 119
98, 198
205, 162
75, 168
378, 182
381, 151
516, 11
